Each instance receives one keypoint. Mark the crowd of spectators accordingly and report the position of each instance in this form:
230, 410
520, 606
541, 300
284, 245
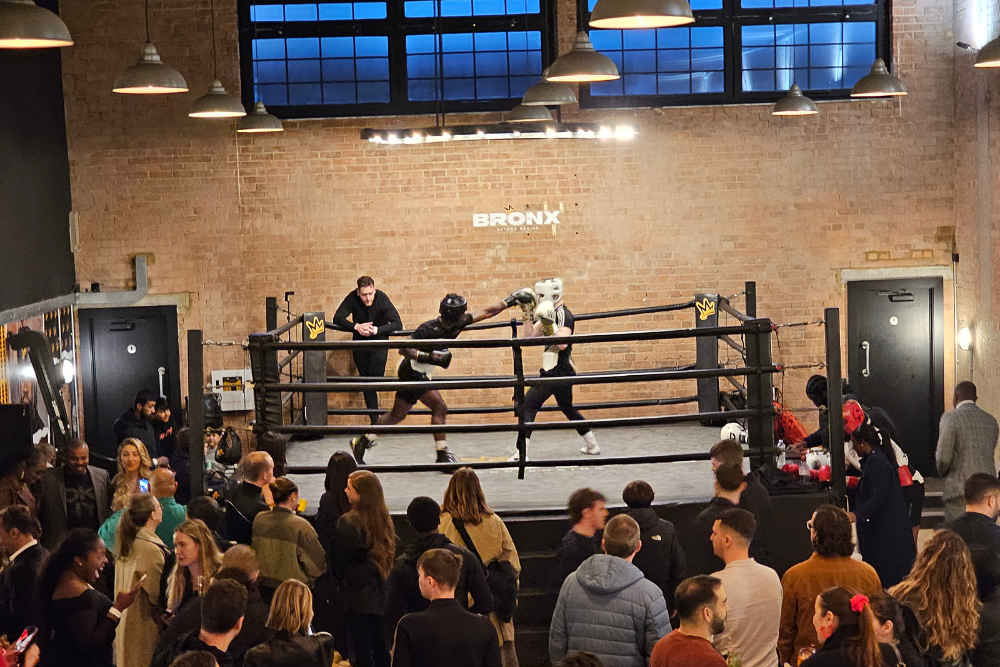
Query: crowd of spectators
126, 571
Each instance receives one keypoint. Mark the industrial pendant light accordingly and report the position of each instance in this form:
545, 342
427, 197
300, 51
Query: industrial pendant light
878, 83
523, 113
794, 104
259, 120
548, 93
216, 103
583, 63
150, 76
25, 25
989, 55
619, 14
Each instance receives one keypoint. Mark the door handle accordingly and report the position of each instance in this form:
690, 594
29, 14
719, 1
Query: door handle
161, 371
865, 372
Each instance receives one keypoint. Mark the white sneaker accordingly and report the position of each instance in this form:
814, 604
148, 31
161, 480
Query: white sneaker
591, 448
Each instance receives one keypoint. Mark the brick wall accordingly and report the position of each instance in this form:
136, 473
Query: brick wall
704, 199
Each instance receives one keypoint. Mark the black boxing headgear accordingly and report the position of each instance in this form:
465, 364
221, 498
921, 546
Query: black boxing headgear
453, 307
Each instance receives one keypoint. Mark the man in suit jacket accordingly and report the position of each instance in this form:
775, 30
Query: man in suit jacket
19, 533
72, 496
444, 633
966, 443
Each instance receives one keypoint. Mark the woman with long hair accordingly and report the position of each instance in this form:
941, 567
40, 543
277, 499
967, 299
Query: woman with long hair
885, 537
845, 626
941, 609
890, 629
465, 504
293, 644
78, 623
328, 603
134, 465
198, 560
139, 552
364, 549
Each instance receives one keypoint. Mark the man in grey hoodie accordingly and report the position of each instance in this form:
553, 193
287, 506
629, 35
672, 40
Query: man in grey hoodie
607, 607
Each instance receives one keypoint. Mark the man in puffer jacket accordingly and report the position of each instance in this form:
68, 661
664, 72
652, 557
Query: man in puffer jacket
607, 607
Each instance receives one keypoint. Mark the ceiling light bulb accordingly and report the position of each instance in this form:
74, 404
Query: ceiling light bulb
795, 104
25, 25
879, 83
631, 14
216, 103
583, 63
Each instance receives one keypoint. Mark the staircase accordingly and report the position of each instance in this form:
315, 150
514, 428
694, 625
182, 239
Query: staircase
933, 514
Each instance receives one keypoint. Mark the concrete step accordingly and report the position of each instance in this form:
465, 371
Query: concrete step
536, 569
932, 518
534, 608
532, 646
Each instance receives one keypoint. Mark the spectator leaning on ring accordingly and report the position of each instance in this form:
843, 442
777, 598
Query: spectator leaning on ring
444, 633
701, 608
661, 558
607, 607
753, 591
967, 440
829, 566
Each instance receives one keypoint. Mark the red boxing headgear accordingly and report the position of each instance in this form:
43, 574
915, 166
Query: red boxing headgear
854, 416
858, 602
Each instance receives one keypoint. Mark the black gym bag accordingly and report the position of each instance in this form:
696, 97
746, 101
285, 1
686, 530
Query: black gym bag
500, 577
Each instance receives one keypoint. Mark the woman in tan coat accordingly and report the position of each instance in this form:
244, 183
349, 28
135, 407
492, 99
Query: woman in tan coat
139, 552
464, 500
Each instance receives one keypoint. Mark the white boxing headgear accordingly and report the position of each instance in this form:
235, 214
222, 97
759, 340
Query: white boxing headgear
734, 432
549, 290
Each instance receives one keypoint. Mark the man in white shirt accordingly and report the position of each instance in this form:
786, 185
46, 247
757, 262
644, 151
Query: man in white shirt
754, 594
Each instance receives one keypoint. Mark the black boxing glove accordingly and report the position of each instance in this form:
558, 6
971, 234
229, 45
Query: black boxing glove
440, 358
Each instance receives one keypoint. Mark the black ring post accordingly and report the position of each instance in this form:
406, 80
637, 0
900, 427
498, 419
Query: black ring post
750, 287
835, 403
760, 390
522, 445
196, 410
707, 351
271, 313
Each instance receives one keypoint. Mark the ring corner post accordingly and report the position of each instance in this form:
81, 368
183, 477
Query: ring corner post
760, 395
196, 409
707, 351
835, 402
522, 444
314, 368
271, 313
750, 289
264, 370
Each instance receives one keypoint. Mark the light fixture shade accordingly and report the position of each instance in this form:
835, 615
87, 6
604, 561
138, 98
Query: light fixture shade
794, 104
583, 63
878, 83
216, 103
259, 120
150, 76
989, 55
619, 14
25, 25
523, 113
548, 93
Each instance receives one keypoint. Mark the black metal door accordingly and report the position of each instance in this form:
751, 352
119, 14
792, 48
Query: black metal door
896, 357
123, 350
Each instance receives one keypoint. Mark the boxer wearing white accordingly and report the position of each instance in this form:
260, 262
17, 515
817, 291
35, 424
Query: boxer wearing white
551, 317
419, 366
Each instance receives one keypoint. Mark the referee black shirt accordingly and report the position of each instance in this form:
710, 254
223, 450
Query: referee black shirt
381, 313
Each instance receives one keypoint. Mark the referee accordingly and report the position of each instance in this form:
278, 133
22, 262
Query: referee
374, 318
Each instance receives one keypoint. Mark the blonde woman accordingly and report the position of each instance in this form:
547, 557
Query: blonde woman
134, 465
139, 552
198, 560
465, 502
292, 645
940, 595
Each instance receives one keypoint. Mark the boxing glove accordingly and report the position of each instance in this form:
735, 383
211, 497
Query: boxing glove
547, 315
440, 358
526, 298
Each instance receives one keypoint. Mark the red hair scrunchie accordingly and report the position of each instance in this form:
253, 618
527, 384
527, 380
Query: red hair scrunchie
858, 603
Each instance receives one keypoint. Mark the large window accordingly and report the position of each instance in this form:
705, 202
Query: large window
308, 59
742, 51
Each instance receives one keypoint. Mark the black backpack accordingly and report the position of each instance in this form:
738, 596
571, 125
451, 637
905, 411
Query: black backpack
500, 577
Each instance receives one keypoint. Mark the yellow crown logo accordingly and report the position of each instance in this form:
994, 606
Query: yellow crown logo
318, 326
705, 309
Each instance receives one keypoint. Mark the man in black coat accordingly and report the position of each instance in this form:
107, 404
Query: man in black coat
246, 500
661, 558
403, 594
74, 495
730, 484
374, 319
588, 513
982, 507
444, 633
137, 422
19, 533
754, 499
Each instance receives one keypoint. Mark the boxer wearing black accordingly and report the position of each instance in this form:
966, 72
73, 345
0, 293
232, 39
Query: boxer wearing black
419, 365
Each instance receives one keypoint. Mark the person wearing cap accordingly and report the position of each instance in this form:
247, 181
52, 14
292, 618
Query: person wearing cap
884, 536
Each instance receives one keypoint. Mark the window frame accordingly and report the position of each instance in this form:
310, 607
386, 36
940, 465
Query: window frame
732, 17
396, 26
